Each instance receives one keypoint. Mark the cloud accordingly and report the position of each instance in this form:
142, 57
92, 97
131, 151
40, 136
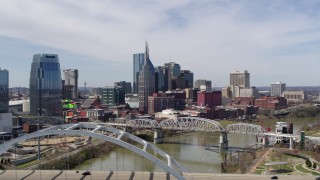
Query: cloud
211, 38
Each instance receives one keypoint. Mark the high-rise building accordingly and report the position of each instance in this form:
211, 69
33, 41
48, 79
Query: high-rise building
45, 85
174, 72
113, 96
4, 90
159, 79
146, 82
188, 76
202, 82
240, 78
277, 88
70, 86
126, 86
138, 60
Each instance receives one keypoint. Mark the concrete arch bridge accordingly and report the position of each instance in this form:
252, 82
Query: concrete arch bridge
110, 134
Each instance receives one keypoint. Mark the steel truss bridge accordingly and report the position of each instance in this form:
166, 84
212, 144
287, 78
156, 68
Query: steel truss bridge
207, 125
192, 124
109, 134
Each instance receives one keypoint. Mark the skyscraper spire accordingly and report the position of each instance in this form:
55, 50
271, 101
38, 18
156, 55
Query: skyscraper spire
146, 54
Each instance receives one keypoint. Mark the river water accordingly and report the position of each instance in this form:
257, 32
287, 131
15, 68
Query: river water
188, 149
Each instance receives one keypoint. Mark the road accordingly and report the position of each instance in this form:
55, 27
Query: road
127, 175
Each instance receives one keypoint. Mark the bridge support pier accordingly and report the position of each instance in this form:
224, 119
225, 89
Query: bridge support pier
223, 141
291, 143
265, 141
158, 136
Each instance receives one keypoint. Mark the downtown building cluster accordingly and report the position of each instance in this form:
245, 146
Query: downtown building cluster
55, 92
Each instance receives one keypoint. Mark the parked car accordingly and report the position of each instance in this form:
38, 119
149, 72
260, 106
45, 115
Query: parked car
274, 177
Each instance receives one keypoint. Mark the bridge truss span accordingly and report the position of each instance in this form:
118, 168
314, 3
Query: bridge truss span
245, 128
191, 124
143, 123
109, 134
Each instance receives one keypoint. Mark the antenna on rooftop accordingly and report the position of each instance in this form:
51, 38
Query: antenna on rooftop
85, 87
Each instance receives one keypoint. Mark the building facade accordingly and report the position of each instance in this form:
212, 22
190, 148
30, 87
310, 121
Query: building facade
146, 82
159, 102
4, 90
125, 85
138, 61
45, 85
209, 99
113, 96
277, 88
240, 78
70, 85
294, 96
188, 77
202, 82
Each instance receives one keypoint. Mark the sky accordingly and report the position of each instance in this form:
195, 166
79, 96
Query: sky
274, 40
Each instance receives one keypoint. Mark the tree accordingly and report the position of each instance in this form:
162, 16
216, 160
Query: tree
314, 165
308, 163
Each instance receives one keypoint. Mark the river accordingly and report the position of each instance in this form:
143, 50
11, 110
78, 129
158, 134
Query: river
188, 149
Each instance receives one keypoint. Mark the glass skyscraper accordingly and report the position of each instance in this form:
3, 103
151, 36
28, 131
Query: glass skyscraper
146, 82
45, 85
4, 90
138, 60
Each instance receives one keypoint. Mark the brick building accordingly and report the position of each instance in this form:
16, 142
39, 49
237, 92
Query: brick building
271, 103
159, 102
209, 99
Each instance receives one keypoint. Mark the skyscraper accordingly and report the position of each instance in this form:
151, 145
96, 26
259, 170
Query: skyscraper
4, 90
174, 72
240, 78
126, 86
146, 82
70, 87
45, 85
159, 79
138, 60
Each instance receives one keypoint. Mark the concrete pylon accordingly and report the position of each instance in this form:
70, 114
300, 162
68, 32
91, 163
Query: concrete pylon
291, 142
158, 136
223, 143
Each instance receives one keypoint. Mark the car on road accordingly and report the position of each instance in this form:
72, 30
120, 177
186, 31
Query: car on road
317, 178
86, 173
274, 177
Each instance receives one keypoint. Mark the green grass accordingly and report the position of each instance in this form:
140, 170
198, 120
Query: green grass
302, 169
25, 165
259, 171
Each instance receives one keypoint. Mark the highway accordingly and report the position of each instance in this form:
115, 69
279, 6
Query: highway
127, 175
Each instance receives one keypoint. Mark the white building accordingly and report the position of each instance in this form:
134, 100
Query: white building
277, 88
294, 96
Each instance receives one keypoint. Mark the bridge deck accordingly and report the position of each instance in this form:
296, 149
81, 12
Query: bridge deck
119, 175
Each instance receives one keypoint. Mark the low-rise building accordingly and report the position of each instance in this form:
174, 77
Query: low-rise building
294, 96
159, 102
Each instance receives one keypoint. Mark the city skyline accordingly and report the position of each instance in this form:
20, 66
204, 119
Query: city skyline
274, 41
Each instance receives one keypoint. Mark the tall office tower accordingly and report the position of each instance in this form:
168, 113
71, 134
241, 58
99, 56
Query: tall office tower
174, 72
45, 85
70, 86
126, 86
4, 90
159, 77
240, 78
138, 60
277, 88
146, 82
202, 82
188, 76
